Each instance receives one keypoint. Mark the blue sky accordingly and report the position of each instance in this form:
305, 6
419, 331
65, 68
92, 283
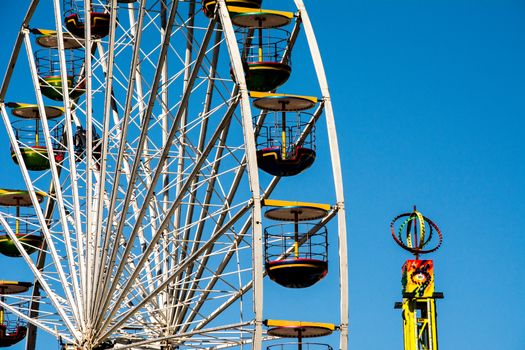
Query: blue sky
429, 105
429, 100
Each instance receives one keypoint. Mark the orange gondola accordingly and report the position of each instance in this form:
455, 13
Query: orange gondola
23, 223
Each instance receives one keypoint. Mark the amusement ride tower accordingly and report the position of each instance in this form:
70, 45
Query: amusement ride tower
418, 235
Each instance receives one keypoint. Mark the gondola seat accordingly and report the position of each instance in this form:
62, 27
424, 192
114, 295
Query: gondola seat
8, 248
296, 273
36, 158
266, 76
8, 339
99, 24
271, 161
51, 87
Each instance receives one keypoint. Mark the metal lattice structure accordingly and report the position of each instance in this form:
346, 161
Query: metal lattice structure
140, 174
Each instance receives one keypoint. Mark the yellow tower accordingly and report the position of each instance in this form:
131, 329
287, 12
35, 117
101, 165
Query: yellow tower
418, 235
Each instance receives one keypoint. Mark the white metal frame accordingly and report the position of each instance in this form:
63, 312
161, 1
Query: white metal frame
336, 170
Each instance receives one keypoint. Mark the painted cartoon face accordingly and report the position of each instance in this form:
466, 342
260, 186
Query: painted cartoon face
420, 277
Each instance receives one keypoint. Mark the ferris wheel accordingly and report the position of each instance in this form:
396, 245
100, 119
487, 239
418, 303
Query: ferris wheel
152, 139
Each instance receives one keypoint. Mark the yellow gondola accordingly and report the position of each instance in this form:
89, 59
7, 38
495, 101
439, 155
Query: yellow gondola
30, 136
24, 225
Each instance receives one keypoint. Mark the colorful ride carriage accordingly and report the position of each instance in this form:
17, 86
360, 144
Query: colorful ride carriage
296, 252
31, 137
12, 328
265, 47
286, 142
22, 222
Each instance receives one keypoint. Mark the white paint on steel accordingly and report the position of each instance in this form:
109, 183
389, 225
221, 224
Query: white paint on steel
70, 144
40, 216
253, 175
72, 299
336, 169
